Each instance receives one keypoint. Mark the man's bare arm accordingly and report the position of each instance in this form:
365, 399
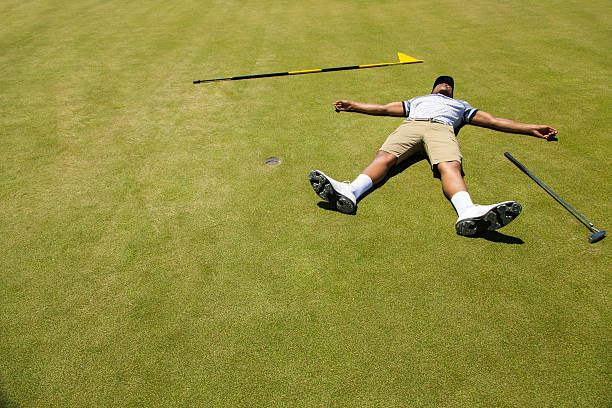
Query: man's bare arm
390, 109
486, 120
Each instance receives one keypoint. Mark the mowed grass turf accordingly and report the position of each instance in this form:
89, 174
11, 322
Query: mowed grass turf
150, 258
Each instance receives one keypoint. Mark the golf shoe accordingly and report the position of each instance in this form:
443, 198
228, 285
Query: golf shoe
481, 218
338, 194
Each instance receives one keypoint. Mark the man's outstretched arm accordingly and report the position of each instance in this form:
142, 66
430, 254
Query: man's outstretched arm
484, 119
390, 109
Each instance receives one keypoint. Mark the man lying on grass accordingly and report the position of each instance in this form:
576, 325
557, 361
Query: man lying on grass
431, 125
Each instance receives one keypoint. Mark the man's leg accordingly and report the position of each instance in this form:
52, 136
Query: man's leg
454, 186
373, 174
473, 219
380, 166
451, 178
345, 195
405, 141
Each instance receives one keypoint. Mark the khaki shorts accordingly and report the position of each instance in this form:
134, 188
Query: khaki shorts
436, 140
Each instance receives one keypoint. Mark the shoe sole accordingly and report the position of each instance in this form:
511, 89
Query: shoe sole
324, 189
495, 218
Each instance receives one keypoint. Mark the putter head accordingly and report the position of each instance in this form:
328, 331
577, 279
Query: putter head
597, 236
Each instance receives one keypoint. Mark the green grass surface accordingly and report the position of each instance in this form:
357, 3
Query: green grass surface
150, 258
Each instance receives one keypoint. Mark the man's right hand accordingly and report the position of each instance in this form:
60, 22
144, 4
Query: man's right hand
390, 109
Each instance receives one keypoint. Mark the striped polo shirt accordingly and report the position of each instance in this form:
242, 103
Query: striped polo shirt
453, 112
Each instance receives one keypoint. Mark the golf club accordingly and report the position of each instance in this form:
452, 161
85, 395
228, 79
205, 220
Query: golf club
597, 234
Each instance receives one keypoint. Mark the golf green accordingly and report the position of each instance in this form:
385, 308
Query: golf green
150, 257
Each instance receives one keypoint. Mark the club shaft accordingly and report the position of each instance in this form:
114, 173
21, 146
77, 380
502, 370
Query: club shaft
551, 192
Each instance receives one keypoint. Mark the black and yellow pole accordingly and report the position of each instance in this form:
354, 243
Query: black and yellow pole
403, 59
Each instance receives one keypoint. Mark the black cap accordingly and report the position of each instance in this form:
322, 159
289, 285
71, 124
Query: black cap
444, 79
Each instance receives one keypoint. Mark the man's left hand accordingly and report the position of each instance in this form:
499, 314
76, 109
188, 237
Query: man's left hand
545, 132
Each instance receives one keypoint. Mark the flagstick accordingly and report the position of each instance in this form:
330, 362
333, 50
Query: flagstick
403, 59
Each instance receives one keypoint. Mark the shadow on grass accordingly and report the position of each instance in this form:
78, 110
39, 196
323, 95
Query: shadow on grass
329, 207
496, 236
5, 402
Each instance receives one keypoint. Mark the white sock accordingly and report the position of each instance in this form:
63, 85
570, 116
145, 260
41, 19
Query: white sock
361, 184
462, 202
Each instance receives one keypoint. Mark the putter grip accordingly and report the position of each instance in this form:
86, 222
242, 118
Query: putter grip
513, 160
